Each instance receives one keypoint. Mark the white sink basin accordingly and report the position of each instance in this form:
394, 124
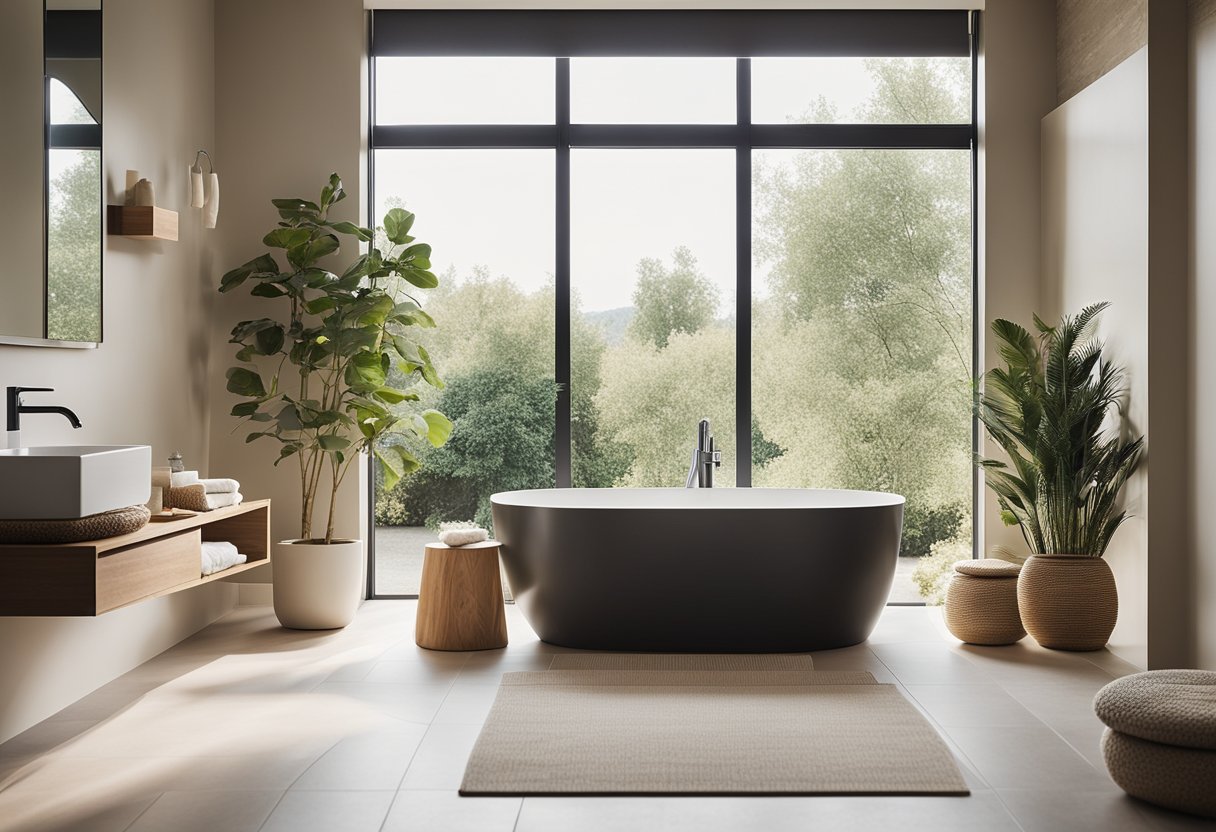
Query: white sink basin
66, 481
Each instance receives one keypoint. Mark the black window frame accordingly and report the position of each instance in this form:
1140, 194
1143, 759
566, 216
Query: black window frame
738, 34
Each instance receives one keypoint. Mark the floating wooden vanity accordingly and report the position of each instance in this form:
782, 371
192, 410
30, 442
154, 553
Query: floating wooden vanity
102, 575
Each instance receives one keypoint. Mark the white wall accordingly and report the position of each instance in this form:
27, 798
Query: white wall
289, 112
1202, 229
149, 382
1095, 247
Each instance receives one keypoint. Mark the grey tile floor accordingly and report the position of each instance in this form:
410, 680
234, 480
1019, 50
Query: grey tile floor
247, 726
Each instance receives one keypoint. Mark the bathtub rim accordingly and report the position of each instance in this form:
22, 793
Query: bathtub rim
862, 499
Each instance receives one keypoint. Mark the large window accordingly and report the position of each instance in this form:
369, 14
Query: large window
760, 218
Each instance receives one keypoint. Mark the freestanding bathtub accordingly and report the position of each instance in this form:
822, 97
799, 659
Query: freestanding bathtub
700, 570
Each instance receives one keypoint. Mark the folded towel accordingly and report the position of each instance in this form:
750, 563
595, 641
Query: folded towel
219, 555
221, 486
215, 501
195, 498
463, 537
180, 479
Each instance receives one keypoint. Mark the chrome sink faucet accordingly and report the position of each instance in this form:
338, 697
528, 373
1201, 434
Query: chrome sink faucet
16, 409
704, 459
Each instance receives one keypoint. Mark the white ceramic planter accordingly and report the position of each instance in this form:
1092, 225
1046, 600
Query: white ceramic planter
317, 587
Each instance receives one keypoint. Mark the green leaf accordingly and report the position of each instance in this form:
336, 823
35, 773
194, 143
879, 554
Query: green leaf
296, 209
246, 328
287, 237
420, 278
332, 192
304, 255
397, 225
245, 382
267, 290
397, 462
244, 409
364, 234
318, 305
263, 264
367, 372
286, 451
269, 340
390, 396
333, 442
440, 427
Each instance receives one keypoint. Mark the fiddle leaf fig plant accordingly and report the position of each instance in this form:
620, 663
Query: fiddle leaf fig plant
317, 379
1047, 408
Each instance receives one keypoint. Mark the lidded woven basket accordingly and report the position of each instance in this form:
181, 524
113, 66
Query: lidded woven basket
982, 602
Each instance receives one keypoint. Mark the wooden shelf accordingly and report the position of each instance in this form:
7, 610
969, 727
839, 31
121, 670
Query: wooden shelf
141, 222
98, 576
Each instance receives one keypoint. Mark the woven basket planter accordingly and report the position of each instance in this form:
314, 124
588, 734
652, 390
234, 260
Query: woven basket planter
1068, 602
982, 602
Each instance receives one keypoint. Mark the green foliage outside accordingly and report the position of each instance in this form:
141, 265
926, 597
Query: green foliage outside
73, 263
861, 358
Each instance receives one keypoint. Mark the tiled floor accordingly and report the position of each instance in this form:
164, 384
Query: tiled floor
248, 726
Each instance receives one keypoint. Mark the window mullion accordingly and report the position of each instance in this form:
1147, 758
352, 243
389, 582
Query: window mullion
561, 329
743, 276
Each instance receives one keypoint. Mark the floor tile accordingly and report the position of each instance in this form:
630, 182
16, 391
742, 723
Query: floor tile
447, 811
764, 814
1104, 811
50, 812
964, 706
466, 704
440, 760
412, 703
1027, 757
307, 811
376, 760
929, 664
231, 811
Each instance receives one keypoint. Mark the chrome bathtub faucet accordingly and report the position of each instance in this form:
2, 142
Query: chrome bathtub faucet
704, 459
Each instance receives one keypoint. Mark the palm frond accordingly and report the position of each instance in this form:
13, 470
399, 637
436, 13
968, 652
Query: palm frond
1047, 409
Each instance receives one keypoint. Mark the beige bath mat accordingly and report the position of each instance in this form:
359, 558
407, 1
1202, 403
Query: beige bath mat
706, 732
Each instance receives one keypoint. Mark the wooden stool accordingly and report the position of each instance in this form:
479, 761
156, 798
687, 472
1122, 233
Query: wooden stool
460, 604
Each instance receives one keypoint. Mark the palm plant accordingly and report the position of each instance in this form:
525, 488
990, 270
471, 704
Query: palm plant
1046, 408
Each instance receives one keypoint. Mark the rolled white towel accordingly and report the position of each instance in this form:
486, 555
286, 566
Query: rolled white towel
463, 537
219, 555
180, 479
220, 486
215, 501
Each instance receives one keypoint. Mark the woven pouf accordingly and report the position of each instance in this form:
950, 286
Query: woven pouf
982, 602
94, 527
1160, 742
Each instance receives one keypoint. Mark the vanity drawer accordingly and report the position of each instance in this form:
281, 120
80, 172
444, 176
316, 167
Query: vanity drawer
148, 569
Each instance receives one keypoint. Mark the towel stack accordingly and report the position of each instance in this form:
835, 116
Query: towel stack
187, 491
219, 555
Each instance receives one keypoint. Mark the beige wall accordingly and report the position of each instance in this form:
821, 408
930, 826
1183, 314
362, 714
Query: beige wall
289, 111
1202, 228
149, 382
1115, 228
1093, 37
1017, 89
1095, 247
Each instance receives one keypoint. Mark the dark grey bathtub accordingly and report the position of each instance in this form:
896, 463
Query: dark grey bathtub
700, 570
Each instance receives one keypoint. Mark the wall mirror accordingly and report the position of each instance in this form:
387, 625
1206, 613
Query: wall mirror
50, 155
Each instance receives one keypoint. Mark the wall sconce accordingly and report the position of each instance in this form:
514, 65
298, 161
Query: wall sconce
206, 198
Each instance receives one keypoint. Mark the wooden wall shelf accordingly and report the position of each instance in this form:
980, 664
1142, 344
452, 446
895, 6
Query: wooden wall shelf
102, 575
142, 222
